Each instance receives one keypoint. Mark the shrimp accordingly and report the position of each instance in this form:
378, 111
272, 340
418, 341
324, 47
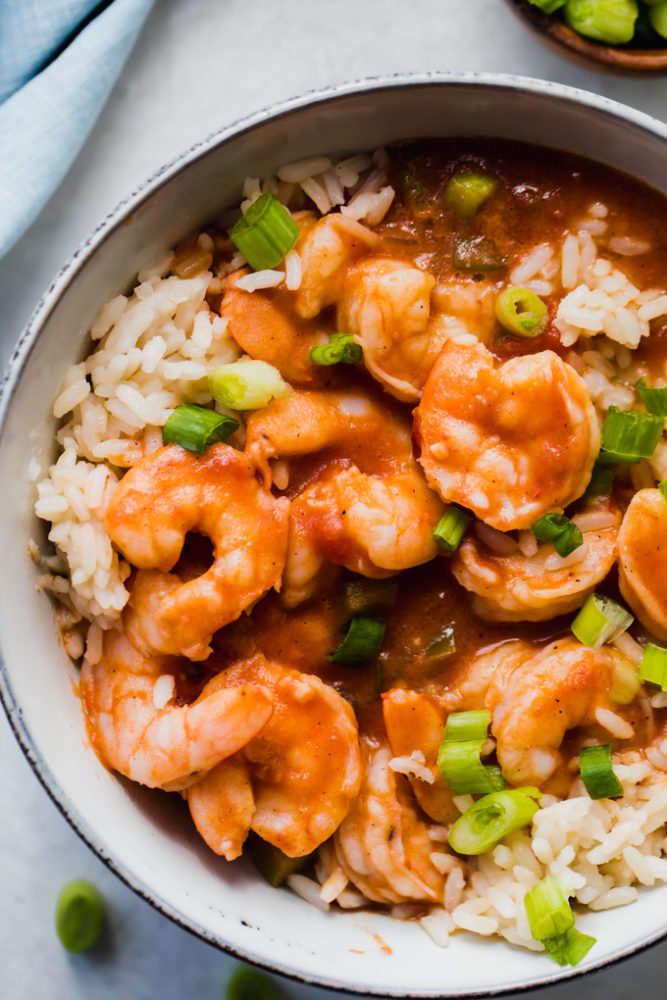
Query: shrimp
415, 722
472, 302
535, 702
375, 520
383, 844
171, 746
642, 544
264, 328
519, 587
172, 492
510, 441
326, 249
385, 304
304, 767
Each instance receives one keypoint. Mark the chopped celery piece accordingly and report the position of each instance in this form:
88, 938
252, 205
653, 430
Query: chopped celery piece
467, 190
611, 21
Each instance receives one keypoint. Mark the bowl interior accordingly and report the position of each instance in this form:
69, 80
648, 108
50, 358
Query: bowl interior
145, 836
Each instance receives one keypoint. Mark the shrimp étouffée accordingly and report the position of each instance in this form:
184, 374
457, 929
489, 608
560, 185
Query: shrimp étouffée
173, 492
510, 441
296, 780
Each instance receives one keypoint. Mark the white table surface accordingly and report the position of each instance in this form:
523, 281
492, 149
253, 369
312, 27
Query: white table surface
199, 65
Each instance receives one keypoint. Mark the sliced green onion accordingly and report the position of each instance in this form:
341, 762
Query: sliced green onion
467, 190
569, 948
490, 819
611, 21
662, 486
443, 644
521, 312
79, 915
653, 666
265, 234
246, 384
658, 18
548, 6
628, 436
459, 757
461, 767
600, 620
558, 529
341, 349
597, 772
549, 913
246, 983
468, 725
450, 529
360, 643
477, 253
626, 681
364, 596
601, 481
196, 427
271, 863
655, 400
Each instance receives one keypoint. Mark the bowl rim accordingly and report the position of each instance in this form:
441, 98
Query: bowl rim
27, 342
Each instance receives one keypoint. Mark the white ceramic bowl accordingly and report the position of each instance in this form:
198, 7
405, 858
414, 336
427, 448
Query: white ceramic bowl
146, 837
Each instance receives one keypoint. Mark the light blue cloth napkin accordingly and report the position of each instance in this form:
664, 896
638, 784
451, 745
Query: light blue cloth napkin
56, 72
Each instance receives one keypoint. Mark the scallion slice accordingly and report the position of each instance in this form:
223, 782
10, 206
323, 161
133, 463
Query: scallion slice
461, 767
600, 620
468, 725
196, 427
459, 757
597, 772
658, 18
521, 312
548, 6
560, 531
341, 349
601, 481
80, 913
611, 21
491, 818
662, 486
246, 983
360, 643
655, 400
628, 436
450, 529
549, 913
653, 666
467, 190
265, 234
569, 948
246, 384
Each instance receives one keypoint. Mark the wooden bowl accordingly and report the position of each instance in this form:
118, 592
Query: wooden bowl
609, 58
